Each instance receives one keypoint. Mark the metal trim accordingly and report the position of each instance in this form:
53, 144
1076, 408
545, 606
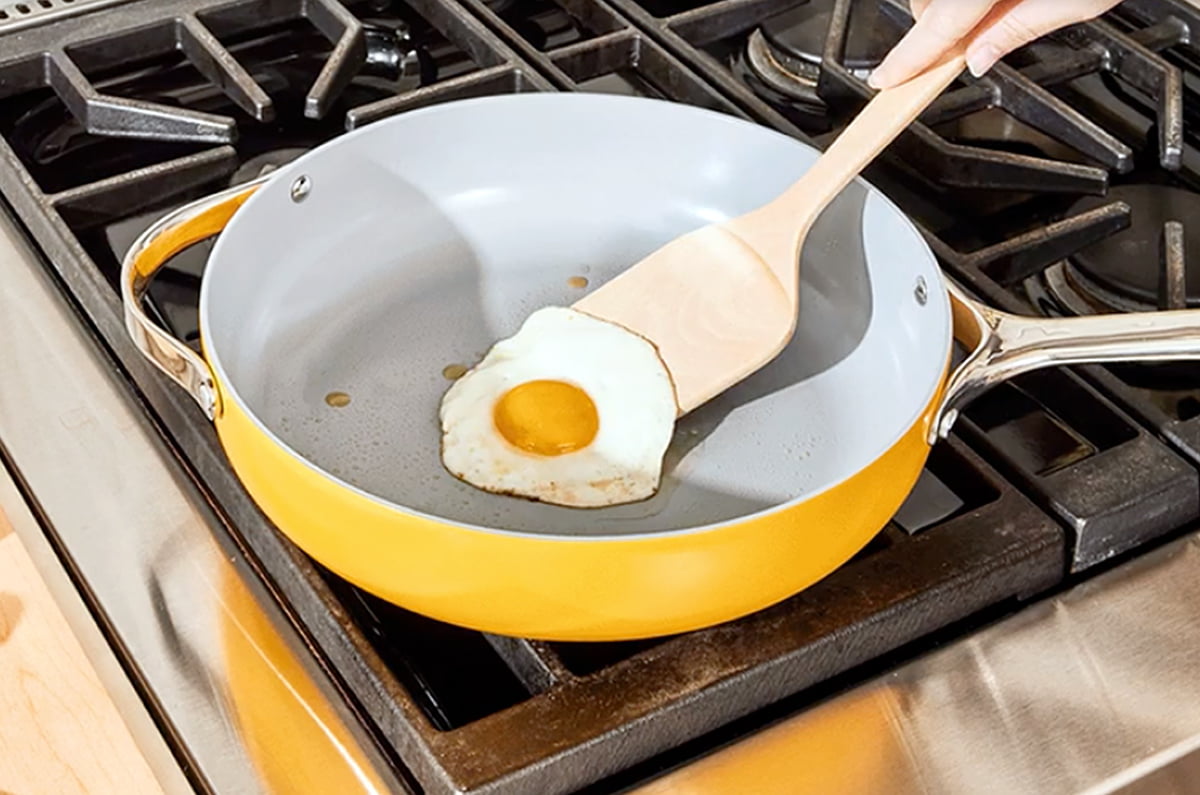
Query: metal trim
22, 14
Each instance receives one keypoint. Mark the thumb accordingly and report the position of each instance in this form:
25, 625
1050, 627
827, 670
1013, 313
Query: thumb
1025, 22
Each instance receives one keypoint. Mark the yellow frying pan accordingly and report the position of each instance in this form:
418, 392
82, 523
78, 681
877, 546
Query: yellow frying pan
344, 284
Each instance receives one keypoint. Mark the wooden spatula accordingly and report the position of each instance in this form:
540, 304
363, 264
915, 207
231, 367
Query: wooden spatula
721, 302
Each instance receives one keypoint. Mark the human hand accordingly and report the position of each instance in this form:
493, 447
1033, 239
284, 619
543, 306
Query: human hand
995, 28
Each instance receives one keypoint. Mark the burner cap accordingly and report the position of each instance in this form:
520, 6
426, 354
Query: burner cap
1127, 264
803, 31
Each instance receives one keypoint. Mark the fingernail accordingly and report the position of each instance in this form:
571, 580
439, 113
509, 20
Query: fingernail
878, 78
983, 58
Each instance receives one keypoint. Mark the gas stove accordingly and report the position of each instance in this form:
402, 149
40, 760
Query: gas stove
1062, 183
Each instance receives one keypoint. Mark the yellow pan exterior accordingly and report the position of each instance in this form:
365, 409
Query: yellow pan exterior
571, 589
294, 737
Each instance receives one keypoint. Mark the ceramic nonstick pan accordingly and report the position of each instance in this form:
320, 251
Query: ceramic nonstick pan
343, 285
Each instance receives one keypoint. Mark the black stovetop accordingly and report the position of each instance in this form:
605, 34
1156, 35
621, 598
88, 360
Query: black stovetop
1063, 183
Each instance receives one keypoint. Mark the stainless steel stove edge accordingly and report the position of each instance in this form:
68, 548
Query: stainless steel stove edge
1095, 690
173, 598
20, 14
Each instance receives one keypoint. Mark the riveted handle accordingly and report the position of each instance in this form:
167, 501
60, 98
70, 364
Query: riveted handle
168, 236
1003, 346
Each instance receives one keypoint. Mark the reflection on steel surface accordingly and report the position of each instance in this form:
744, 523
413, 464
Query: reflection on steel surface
242, 695
1087, 692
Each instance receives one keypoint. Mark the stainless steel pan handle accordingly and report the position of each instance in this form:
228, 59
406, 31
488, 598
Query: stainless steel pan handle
171, 234
1004, 346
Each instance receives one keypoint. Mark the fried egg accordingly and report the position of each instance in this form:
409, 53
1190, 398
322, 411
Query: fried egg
570, 410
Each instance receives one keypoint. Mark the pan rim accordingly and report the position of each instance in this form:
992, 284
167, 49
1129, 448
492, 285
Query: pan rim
937, 293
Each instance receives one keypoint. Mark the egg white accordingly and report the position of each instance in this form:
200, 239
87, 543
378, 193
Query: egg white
620, 371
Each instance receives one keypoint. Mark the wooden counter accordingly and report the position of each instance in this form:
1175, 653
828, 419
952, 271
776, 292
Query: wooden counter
59, 731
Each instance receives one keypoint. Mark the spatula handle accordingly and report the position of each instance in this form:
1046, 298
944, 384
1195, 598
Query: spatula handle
777, 230
879, 123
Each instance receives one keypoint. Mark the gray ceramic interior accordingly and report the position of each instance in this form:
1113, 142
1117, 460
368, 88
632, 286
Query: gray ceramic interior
427, 237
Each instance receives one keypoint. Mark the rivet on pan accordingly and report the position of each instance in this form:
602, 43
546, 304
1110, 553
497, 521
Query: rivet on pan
301, 188
922, 291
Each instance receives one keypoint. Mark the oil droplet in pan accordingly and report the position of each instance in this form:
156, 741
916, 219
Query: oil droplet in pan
339, 400
578, 282
453, 372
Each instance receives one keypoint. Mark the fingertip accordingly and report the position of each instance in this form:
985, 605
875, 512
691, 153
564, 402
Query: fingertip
982, 56
887, 74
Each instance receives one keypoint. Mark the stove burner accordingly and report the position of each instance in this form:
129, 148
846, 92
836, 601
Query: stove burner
793, 79
1124, 272
1131, 272
786, 52
803, 32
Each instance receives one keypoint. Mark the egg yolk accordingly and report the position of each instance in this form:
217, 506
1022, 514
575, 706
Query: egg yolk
547, 418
